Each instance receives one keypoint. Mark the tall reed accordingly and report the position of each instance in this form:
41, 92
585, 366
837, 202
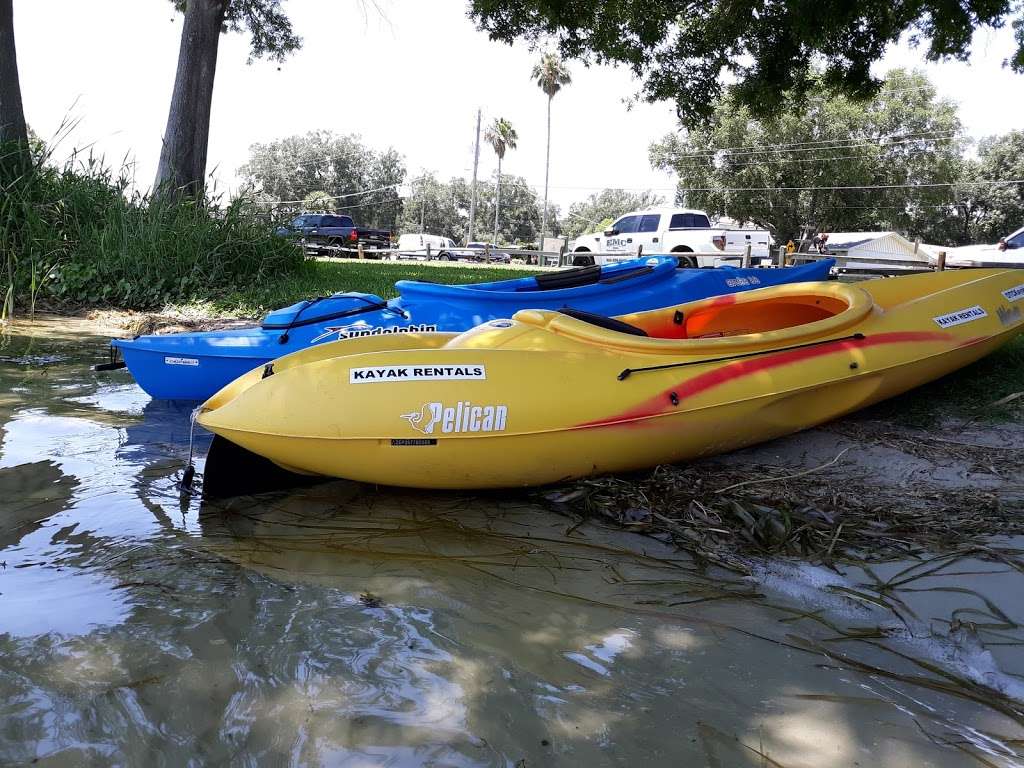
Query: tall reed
77, 235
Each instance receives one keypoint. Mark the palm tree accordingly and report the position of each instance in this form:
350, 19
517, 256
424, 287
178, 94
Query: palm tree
501, 136
551, 74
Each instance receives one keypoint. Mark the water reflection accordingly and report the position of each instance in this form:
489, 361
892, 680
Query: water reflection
344, 625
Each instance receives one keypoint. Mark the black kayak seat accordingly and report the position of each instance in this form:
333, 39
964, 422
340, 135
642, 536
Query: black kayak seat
569, 278
603, 321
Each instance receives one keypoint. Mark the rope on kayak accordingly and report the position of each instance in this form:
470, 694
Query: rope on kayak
283, 338
627, 372
185, 486
371, 306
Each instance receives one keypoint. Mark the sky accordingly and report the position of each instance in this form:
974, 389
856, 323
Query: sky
411, 75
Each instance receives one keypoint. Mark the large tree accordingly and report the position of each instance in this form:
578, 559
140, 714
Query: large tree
519, 213
182, 167
444, 208
436, 208
551, 74
589, 214
987, 212
502, 137
14, 146
360, 181
680, 51
835, 164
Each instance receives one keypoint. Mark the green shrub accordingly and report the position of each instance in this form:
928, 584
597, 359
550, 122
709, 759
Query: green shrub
77, 235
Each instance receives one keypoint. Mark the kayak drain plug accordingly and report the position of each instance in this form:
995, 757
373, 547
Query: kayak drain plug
268, 370
674, 398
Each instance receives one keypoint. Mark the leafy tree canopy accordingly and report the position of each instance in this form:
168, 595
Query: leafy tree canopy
608, 204
270, 30
445, 209
990, 212
680, 51
439, 208
781, 171
340, 167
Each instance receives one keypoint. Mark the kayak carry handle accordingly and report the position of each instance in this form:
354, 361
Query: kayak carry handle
625, 373
112, 366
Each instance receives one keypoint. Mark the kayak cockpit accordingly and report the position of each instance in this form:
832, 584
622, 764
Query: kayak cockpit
767, 317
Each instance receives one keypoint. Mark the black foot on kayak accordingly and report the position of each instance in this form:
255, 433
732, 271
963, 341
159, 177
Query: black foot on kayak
233, 471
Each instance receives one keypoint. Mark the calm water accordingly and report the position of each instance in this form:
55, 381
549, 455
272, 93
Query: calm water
343, 625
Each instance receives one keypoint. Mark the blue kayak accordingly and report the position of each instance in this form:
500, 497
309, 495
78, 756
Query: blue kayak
193, 366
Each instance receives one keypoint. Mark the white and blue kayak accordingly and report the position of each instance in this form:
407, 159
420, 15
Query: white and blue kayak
193, 366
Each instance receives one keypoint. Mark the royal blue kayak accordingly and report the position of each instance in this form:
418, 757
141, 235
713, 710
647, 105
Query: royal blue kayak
193, 366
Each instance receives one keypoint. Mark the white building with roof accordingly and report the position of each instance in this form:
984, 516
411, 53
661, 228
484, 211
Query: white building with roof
875, 252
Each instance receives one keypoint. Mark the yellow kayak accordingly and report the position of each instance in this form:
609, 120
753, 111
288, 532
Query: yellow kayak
548, 396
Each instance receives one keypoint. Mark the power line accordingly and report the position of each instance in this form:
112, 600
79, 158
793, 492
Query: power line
763, 161
868, 186
834, 140
834, 144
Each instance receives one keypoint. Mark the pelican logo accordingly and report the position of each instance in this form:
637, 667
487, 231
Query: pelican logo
432, 418
1008, 315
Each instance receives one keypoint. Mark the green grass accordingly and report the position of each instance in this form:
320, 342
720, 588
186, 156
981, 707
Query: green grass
77, 235
969, 392
322, 278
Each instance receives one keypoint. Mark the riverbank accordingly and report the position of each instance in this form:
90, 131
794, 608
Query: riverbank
860, 489
319, 277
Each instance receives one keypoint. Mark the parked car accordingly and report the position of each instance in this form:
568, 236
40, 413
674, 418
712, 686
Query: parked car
322, 231
478, 252
667, 230
1009, 251
413, 246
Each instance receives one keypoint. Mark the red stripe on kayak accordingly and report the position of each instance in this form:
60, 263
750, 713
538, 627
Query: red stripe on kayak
721, 301
740, 368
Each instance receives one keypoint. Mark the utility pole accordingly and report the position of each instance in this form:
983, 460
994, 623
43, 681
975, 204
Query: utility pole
476, 162
423, 205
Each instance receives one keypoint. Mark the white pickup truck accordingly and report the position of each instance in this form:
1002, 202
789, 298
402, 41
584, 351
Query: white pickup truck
668, 230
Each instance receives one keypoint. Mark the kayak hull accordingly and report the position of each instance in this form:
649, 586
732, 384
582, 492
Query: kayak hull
546, 398
193, 366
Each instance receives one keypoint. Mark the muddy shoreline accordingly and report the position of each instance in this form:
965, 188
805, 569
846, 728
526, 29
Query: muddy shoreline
857, 489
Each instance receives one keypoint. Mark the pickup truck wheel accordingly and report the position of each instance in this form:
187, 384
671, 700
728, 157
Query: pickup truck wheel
582, 261
686, 262
445, 256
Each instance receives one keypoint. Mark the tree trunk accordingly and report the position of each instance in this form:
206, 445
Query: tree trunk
547, 168
497, 201
15, 158
182, 168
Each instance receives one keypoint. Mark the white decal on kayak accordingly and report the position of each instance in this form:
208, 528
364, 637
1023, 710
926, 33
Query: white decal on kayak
358, 329
432, 418
1014, 294
736, 282
1009, 315
378, 373
181, 361
960, 317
